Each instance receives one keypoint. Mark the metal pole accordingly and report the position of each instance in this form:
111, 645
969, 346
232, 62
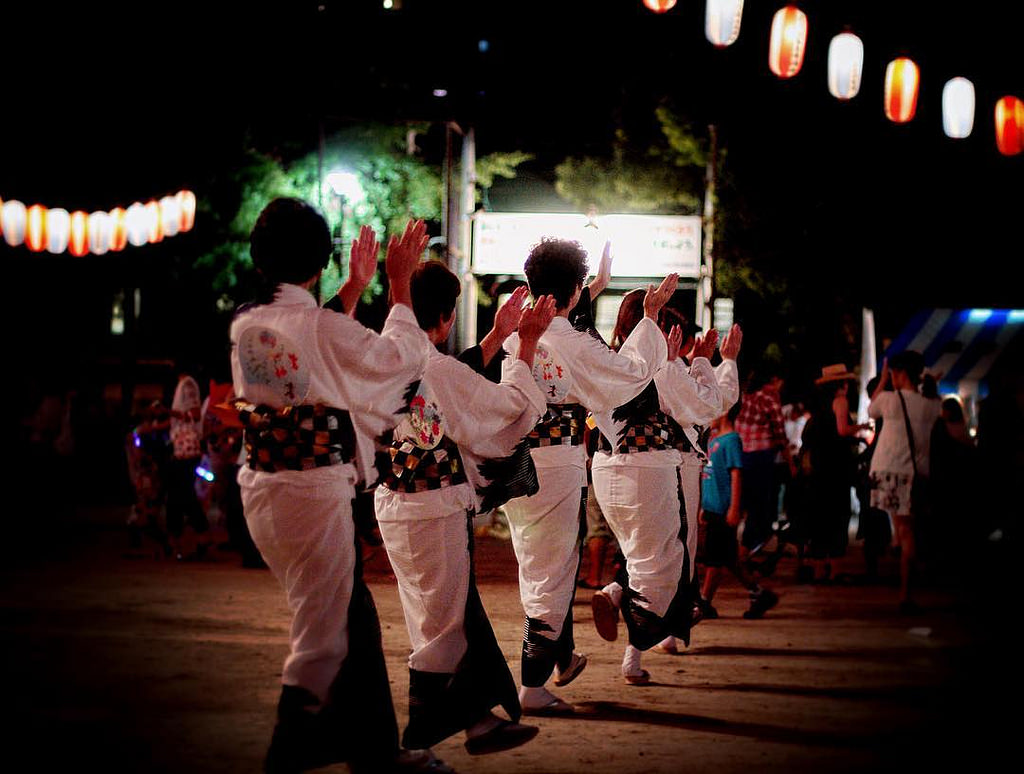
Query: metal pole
705, 286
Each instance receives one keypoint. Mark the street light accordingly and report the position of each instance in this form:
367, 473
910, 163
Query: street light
346, 187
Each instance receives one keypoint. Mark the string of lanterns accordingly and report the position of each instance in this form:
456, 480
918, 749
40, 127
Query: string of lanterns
55, 230
787, 42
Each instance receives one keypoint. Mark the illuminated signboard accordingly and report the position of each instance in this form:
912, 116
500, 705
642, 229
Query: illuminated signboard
642, 245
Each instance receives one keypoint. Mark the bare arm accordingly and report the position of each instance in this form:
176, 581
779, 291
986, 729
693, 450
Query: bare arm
732, 518
604, 272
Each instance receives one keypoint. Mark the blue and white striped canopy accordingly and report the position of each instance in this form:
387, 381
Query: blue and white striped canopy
963, 345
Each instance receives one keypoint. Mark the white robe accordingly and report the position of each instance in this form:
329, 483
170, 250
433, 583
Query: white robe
291, 352
426, 533
639, 492
571, 367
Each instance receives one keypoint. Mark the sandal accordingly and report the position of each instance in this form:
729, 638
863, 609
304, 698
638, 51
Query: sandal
644, 678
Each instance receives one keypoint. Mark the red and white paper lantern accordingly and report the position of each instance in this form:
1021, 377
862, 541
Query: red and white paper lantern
788, 40
902, 80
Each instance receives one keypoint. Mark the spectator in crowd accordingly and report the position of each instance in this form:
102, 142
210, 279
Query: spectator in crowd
183, 507
900, 463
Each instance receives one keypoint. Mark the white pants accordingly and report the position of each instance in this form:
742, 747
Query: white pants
301, 521
545, 536
641, 505
430, 558
690, 476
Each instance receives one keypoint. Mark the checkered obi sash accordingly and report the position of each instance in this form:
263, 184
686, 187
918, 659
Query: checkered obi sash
561, 425
296, 437
422, 470
654, 433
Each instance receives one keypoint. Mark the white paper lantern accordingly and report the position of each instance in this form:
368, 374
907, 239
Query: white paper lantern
99, 228
958, 108
58, 230
722, 21
845, 65
154, 229
170, 215
14, 216
135, 222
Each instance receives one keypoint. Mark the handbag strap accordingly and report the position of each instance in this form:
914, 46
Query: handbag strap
910, 432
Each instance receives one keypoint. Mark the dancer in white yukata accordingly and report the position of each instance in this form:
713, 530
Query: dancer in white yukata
637, 483
576, 372
307, 379
442, 459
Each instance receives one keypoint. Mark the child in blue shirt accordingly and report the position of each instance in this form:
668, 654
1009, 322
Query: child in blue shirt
721, 516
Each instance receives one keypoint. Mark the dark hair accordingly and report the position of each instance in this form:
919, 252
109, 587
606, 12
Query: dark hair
631, 312
953, 410
434, 289
290, 242
910, 362
556, 267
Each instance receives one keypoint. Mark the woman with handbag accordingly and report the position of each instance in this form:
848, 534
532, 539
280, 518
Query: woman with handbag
900, 464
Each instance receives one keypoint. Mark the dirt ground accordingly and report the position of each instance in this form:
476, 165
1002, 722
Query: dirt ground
118, 663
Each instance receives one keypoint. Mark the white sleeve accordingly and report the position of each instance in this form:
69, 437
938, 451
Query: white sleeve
374, 370
690, 396
604, 379
482, 417
727, 375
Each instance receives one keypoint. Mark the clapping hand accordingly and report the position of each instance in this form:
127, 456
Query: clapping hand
403, 256
535, 320
705, 346
675, 341
604, 271
656, 298
506, 319
362, 262
730, 348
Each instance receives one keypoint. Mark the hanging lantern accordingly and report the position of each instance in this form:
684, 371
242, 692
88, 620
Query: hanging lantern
187, 208
154, 233
845, 65
789, 35
958, 108
14, 216
99, 228
660, 6
901, 83
170, 215
58, 230
35, 231
135, 224
722, 21
118, 229
78, 244
1010, 125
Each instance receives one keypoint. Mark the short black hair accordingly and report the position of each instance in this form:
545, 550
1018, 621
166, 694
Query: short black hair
434, 288
910, 362
556, 267
290, 242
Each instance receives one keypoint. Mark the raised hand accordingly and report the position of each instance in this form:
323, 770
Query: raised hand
675, 341
730, 347
604, 271
362, 262
506, 319
705, 347
658, 297
403, 255
535, 320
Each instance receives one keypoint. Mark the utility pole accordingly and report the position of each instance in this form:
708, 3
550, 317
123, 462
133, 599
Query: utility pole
705, 286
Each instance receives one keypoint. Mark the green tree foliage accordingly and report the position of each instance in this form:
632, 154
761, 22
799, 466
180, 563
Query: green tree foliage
662, 176
397, 186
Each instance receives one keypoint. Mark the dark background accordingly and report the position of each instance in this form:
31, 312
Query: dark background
110, 103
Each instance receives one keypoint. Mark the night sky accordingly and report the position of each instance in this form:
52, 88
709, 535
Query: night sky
108, 105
